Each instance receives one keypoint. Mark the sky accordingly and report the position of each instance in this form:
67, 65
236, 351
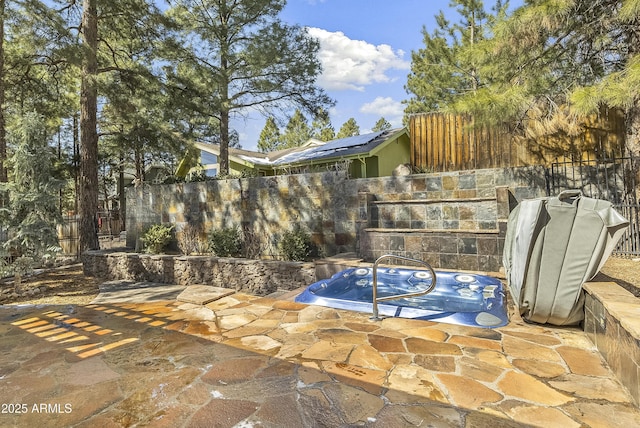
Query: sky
365, 51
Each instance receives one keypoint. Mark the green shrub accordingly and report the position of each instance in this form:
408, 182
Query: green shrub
21, 267
156, 238
196, 176
226, 242
245, 173
295, 244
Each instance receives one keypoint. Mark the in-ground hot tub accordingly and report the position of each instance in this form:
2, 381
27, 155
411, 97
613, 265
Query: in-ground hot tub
458, 298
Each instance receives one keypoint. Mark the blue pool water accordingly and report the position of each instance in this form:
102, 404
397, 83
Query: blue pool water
458, 298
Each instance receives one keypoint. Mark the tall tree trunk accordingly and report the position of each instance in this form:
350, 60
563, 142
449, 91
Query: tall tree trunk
76, 161
88, 189
223, 161
632, 124
137, 159
121, 195
3, 134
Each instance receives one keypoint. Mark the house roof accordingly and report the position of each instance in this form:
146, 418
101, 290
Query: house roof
358, 145
237, 155
314, 150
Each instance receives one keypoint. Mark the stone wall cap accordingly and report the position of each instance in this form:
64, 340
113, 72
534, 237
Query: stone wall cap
620, 303
432, 201
434, 231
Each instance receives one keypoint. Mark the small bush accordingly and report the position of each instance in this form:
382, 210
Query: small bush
156, 238
21, 267
245, 173
196, 176
226, 242
295, 244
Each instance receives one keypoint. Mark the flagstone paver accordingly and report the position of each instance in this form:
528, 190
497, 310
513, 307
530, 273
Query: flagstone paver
581, 361
544, 416
542, 369
203, 294
468, 393
524, 386
242, 360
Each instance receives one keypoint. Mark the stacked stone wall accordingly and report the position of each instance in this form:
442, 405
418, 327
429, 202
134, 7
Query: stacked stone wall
259, 277
366, 216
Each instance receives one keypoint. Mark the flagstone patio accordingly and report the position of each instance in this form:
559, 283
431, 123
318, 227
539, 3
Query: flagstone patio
243, 360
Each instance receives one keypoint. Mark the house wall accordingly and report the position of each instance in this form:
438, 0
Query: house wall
394, 154
236, 168
372, 166
366, 216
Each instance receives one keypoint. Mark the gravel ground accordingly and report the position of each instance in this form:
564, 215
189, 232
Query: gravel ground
626, 272
60, 286
68, 285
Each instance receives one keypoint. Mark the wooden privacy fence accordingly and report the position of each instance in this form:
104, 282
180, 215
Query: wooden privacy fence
109, 223
68, 235
448, 142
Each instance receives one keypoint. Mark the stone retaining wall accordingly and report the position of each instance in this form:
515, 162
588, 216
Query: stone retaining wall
258, 277
612, 322
462, 250
338, 211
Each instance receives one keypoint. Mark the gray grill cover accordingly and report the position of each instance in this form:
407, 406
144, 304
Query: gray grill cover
553, 246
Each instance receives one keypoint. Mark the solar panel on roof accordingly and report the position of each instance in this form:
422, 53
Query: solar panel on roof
330, 148
348, 142
343, 147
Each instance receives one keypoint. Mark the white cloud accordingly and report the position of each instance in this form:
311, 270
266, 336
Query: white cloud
353, 64
385, 106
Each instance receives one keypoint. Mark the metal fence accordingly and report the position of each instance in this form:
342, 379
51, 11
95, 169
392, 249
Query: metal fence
629, 245
614, 180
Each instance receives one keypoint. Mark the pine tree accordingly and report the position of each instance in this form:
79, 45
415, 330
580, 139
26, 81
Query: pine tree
33, 73
88, 186
321, 128
269, 136
553, 61
251, 58
137, 121
297, 131
33, 191
381, 125
3, 132
123, 25
349, 129
446, 67
620, 85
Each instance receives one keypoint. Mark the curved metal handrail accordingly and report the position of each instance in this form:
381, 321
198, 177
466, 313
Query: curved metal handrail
377, 299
